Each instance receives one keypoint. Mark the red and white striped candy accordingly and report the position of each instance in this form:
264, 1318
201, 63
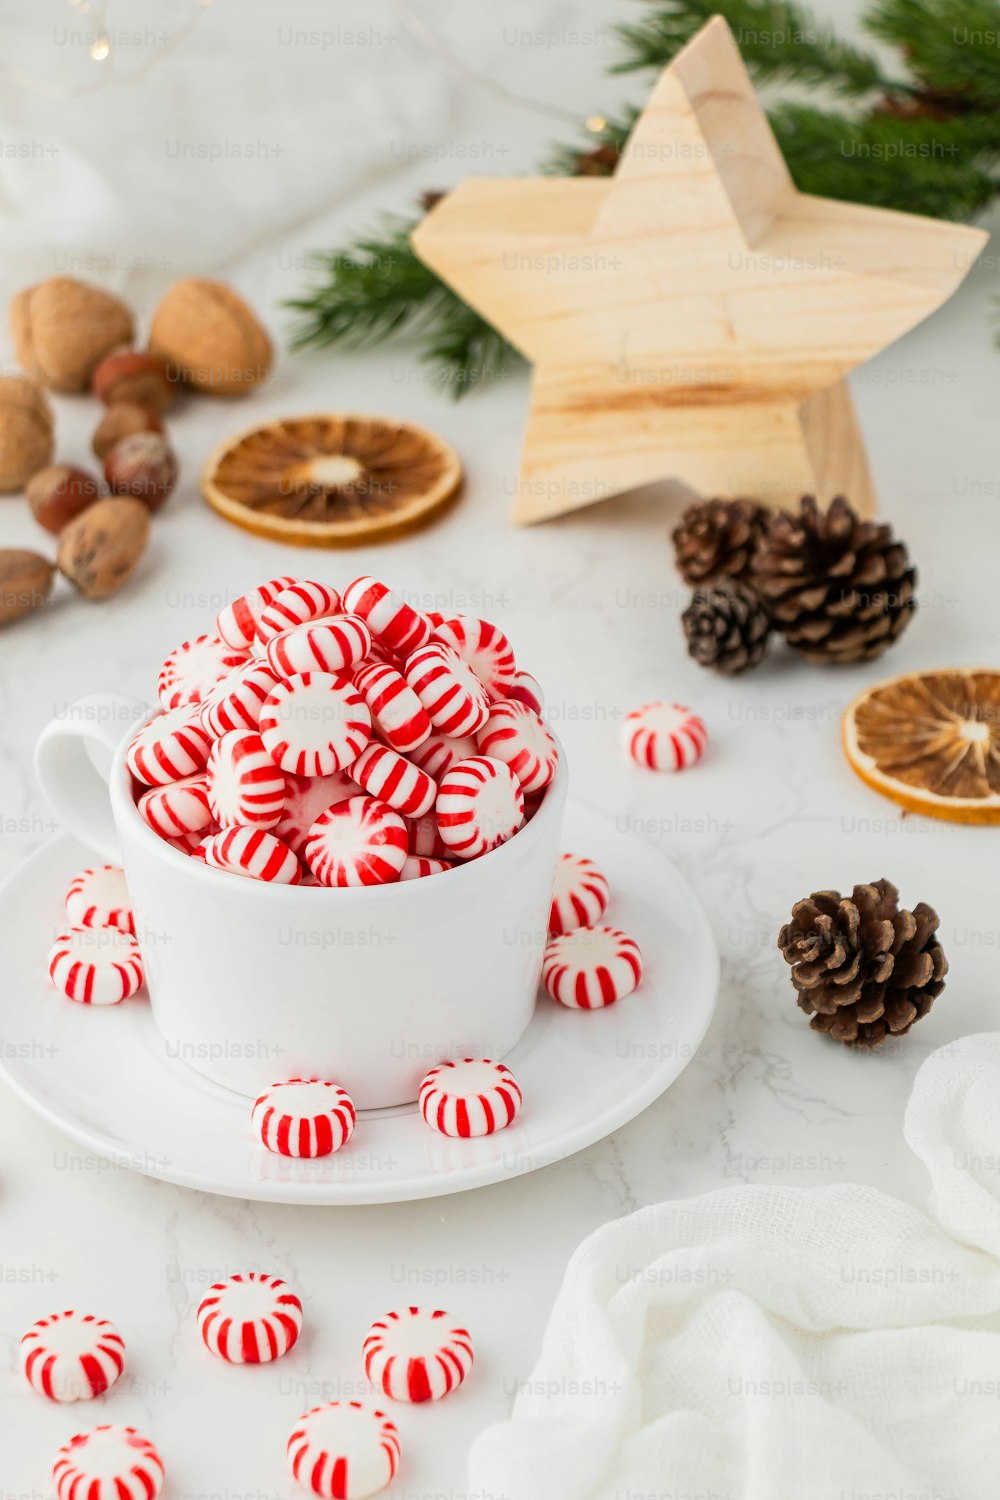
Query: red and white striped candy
315, 723
580, 894
297, 604
527, 690
99, 898
516, 735
191, 843
237, 622
472, 1097
245, 787
382, 773
439, 752
236, 703
72, 1356
424, 838
96, 966
664, 737
344, 1450
416, 866
108, 1463
479, 805
358, 842
181, 807
250, 1318
304, 1117
417, 1355
253, 853
484, 648
305, 798
334, 645
194, 668
396, 711
450, 691
395, 623
169, 747
591, 967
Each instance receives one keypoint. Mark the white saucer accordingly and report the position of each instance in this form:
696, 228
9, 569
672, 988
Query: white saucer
104, 1076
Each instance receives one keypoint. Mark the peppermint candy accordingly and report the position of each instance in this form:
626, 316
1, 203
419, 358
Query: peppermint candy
305, 798
96, 966
334, 645
298, 604
344, 1450
479, 805
424, 838
396, 624
397, 712
452, 694
237, 701
439, 752
315, 723
72, 1356
108, 1463
664, 737
245, 787
484, 648
516, 735
169, 747
472, 1097
182, 807
384, 774
237, 622
250, 1318
417, 1355
99, 898
591, 967
358, 842
253, 853
304, 1117
416, 866
189, 843
525, 689
580, 894
193, 669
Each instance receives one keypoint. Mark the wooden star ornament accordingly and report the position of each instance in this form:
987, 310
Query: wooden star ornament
694, 316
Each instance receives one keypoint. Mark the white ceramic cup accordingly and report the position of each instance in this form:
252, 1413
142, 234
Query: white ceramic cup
252, 983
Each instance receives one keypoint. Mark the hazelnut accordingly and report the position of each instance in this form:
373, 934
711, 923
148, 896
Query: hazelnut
59, 493
134, 375
63, 328
25, 582
120, 421
26, 442
102, 547
210, 338
143, 465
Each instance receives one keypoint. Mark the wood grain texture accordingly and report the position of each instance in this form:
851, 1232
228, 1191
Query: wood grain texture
692, 317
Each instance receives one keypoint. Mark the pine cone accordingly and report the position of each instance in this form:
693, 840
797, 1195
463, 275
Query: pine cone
716, 538
838, 588
863, 967
727, 628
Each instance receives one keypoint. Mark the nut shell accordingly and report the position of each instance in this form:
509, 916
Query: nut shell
134, 375
63, 328
26, 442
209, 337
101, 548
120, 421
58, 494
25, 582
143, 465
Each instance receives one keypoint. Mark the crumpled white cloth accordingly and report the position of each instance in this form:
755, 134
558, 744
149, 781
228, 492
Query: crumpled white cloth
787, 1344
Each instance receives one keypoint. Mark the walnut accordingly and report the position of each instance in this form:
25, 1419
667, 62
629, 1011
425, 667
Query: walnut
209, 337
26, 443
63, 328
101, 548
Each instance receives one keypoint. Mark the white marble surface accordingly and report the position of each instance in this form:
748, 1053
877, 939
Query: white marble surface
592, 604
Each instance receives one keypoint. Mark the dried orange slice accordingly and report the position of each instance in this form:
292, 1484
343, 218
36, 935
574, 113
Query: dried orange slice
931, 742
331, 480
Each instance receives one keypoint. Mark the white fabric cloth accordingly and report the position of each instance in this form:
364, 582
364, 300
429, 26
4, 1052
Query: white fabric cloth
780, 1343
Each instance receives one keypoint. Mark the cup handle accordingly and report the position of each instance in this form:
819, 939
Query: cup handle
73, 760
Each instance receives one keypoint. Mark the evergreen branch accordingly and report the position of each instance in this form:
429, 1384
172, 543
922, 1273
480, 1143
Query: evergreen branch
951, 46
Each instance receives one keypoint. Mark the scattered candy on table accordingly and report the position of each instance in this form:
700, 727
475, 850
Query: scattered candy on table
470, 1097
108, 1463
591, 967
96, 966
71, 1356
664, 737
304, 1117
344, 1450
250, 1318
580, 894
415, 1355
99, 898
